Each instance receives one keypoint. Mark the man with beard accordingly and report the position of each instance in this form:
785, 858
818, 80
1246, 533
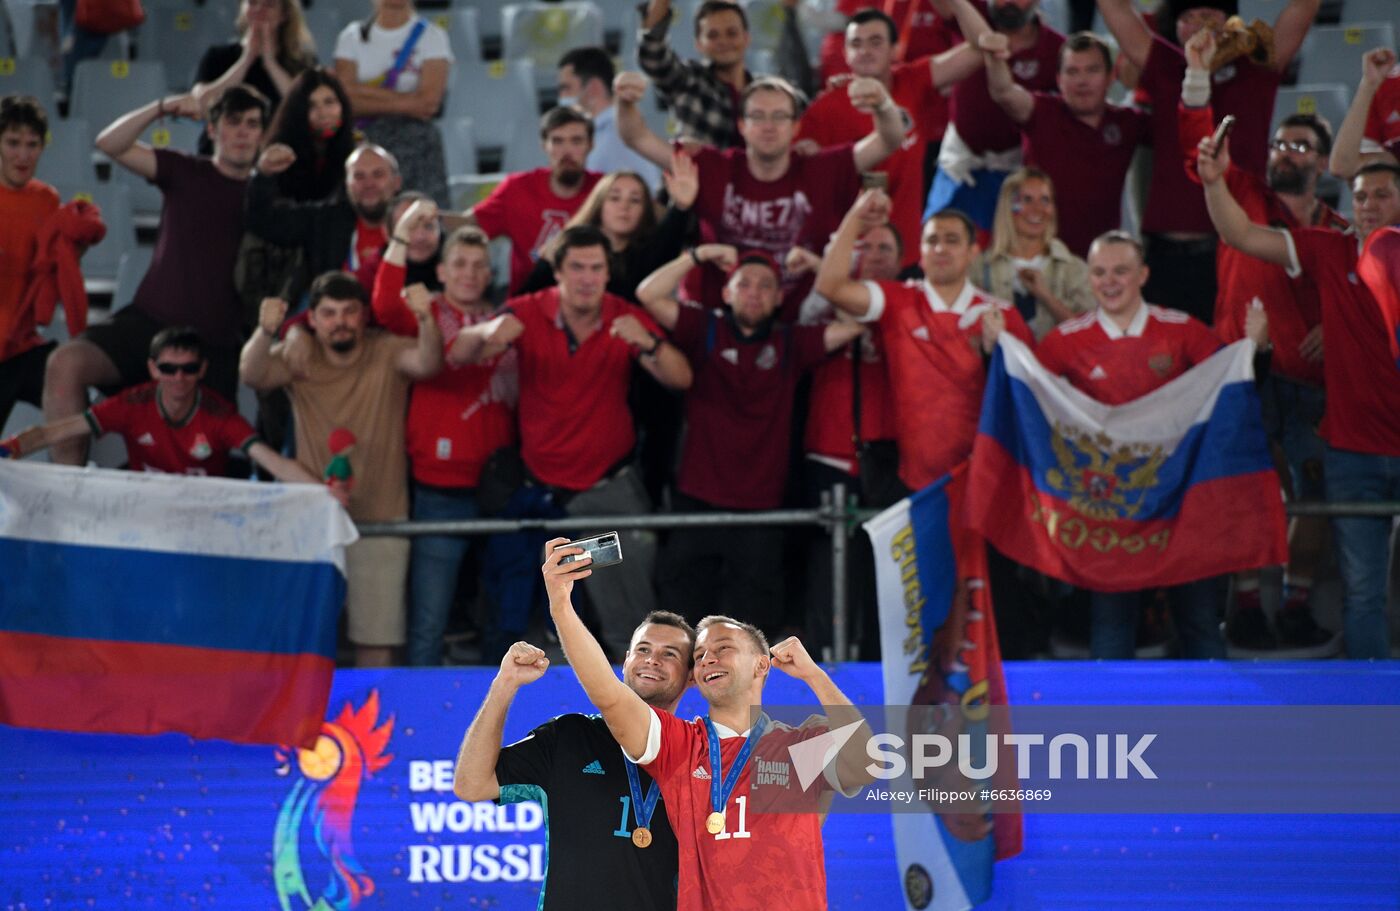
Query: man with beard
738, 422
916, 88
357, 380
1362, 422
1293, 391
1175, 227
190, 280
764, 196
346, 232
748, 828
1062, 133
532, 206
982, 145
574, 768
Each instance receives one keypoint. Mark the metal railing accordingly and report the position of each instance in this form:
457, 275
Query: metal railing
837, 514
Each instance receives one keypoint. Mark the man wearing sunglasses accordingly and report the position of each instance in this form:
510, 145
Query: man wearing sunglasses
172, 424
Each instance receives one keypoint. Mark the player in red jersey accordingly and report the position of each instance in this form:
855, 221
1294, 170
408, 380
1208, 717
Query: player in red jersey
172, 424
1120, 352
1362, 424
937, 335
1371, 130
734, 856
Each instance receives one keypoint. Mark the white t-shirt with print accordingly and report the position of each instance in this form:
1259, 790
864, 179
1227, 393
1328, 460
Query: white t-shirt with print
374, 57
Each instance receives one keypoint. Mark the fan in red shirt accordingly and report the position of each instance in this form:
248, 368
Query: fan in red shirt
764, 196
1175, 227
738, 428
1061, 133
1371, 130
1362, 425
576, 345
456, 420
1292, 393
1118, 353
916, 88
937, 335
718, 774
531, 207
172, 424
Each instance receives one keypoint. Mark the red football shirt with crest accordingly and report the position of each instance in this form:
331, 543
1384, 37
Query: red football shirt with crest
198, 445
1114, 365
933, 355
769, 856
525, 209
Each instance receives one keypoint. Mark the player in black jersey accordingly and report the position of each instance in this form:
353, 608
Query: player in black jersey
608, 840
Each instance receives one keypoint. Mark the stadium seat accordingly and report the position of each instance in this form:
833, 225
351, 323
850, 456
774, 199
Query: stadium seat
1266, 10
459, 144
469, 189
1330, 101
1333, 53
28, 76
1356, 11
325, 21
130, 270
488, 19
100, 263
524, 152
7, 38
542, 32
105, 89
494, 95
682, 36
463, 33
765, 24
178, 36
67, 157
1056, 13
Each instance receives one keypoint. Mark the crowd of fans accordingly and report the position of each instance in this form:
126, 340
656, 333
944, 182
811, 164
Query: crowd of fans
732, 318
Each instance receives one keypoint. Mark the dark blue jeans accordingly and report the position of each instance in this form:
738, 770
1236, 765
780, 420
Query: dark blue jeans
1195, 610
1363, 545
509, 574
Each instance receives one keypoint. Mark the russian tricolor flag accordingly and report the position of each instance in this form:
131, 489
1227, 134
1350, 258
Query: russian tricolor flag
1174, 486
938, 643
139, 603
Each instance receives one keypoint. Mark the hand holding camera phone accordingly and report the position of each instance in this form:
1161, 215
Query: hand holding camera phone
604, 549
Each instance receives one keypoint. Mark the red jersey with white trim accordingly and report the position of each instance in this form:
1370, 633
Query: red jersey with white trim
1114, 366
1292, 304
462, 415
1087, 163
1363, 386
936, 366
1383, 116
762, 861
525, 209
981, 123
574, 421
832, 119
199, 445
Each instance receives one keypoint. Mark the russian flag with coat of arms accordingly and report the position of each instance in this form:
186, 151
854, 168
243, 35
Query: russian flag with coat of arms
135, 603
1171, 487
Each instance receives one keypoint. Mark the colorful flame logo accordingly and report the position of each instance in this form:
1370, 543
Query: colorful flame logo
349, 750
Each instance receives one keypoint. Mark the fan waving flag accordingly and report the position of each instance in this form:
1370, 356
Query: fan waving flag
1174, 486
938, 642
139, 603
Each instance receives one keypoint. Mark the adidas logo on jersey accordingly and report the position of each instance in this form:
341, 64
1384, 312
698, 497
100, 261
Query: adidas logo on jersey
1394, 117
146, 439
593, 768
1098, 373
700, 773
920, 333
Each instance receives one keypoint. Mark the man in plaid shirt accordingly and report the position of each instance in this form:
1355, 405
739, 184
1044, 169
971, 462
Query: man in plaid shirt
704, 97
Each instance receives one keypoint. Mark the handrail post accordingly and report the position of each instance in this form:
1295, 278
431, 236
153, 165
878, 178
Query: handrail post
839, 536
